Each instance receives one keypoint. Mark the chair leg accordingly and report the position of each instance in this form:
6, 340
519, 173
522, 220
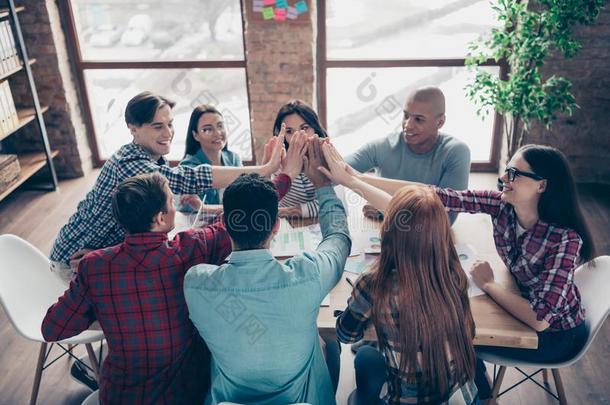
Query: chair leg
498, 383
38, 374
559, 386
545, 377
93, 361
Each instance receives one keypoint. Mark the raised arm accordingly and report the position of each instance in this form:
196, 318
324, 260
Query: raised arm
332, 252
484, 201
222, 176
342, 173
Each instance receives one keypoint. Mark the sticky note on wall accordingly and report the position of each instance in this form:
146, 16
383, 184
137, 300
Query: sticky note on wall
281, 3
280, 14
301, 7
292, 13
268, 2
257, 6
268, 13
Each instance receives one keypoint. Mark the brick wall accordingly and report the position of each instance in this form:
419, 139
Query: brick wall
45, 41
280, 66
585, 136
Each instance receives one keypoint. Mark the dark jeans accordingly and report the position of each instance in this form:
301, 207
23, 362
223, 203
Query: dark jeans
371, 374
333, 360
552, 347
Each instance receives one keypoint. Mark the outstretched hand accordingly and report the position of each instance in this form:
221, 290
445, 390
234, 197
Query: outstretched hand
292, 163
314, 161
268, 150
274, 153
338, 170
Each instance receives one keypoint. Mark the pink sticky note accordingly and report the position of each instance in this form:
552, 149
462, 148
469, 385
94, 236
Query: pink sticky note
268, 2
280, 14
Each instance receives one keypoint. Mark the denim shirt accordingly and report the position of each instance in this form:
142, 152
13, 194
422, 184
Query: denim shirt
258, 317
227, 158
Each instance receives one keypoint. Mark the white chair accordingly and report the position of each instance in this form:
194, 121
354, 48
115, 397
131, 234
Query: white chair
92, 399
27, 290
593, 284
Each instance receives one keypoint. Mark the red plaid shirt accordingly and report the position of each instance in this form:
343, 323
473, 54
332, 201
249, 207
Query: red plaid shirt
135, 291
542, 260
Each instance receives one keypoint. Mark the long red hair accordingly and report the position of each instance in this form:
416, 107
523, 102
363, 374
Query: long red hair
419, 275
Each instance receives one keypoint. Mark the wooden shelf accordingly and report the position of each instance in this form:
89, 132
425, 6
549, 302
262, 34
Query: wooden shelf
17, 69
30, 163
4, 12
26, 115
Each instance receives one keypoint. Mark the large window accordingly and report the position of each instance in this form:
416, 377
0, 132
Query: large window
372, 54
190, 51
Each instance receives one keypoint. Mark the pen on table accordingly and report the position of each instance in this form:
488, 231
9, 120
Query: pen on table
199, 211
349, 281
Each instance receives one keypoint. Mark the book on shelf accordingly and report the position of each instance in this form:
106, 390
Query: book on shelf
9, 58
8, 113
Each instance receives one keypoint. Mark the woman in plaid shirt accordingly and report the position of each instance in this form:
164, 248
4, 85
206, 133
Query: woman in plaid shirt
541, 236
417, 301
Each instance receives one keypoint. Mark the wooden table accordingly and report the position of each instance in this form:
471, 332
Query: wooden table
494, 326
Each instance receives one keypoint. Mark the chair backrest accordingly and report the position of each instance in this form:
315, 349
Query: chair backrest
27, 286
593, 283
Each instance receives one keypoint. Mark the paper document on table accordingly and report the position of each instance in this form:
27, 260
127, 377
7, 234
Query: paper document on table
360, 264
285, 225
316, 238
468, 257
291, 242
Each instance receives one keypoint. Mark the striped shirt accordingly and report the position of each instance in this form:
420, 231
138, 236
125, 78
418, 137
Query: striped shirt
542, 259
302, 194
93, 226
351, 325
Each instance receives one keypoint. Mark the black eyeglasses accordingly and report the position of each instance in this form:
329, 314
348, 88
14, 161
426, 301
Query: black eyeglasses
513, 173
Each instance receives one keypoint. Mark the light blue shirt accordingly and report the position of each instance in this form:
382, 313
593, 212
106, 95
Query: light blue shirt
258, 317
446, 165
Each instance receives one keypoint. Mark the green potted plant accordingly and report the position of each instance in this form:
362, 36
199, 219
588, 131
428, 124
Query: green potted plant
528, 33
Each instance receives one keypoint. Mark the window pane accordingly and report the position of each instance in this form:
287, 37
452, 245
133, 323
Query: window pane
366, 104
159, 30
405, 29
110, 90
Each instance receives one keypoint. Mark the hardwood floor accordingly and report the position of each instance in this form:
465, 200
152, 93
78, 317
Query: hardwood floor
38, 216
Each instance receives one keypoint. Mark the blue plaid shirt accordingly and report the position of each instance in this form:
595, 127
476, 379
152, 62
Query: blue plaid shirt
93, 226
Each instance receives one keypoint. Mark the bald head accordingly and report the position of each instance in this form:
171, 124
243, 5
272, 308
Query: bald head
430, 95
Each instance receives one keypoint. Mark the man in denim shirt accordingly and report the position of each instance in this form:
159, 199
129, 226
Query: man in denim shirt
258, 315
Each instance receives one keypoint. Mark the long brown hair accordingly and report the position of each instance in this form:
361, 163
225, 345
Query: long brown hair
559, 204
420, 276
